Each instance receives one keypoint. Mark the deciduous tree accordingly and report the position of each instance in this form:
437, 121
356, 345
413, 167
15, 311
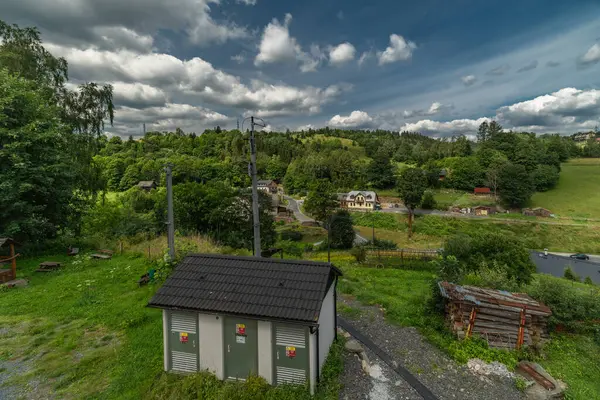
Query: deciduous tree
411, 186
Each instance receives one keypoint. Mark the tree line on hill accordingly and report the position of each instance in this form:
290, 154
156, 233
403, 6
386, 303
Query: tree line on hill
57, 166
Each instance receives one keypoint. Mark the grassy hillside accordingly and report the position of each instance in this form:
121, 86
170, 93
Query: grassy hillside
577, 194
430, 231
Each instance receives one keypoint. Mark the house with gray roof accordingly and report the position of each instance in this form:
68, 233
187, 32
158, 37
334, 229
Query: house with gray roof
360, 200
238, 316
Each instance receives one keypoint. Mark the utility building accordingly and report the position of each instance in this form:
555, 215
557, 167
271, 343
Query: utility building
237, 316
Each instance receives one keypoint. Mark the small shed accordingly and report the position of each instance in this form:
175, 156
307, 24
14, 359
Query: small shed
6, 274
482, 190
443, 174
505, 320
483, 210
237, 316
147, 185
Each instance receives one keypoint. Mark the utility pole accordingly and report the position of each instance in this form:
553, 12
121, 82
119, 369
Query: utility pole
252, 170
144, 129
170, 217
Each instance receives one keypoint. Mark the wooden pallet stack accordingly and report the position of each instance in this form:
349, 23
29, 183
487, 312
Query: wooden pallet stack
505, 320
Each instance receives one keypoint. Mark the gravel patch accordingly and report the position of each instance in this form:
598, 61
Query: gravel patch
383, 383
436, 370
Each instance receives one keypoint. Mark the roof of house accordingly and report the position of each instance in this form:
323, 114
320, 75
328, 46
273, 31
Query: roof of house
249, 286
143, 184
483, 207
368, 194
443, 172
264, 182
482, 190
7, 240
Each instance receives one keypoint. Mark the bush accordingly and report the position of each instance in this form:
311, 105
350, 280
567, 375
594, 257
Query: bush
588, 281
545, 177
291, 234
291, 248
570, 275
359, 253
428, 202
382, 244
573, 305
492, 250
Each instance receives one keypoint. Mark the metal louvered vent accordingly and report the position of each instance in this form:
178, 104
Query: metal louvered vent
288, 336
291, 376
184, 362
183, 323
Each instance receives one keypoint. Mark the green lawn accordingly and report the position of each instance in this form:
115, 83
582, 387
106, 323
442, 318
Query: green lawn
85, 333
577, 194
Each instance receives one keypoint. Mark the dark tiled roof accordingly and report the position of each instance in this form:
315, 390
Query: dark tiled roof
259, 287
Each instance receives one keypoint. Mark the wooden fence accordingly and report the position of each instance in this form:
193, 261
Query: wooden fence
401, 255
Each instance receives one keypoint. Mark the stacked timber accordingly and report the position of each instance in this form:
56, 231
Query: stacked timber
503, 319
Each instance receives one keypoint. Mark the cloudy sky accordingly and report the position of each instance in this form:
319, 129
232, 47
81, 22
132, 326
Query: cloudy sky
440, 67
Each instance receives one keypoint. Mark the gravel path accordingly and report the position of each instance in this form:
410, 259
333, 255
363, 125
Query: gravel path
442, 375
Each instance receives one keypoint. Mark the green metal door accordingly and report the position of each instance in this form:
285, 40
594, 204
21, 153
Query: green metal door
291, 355
241, 348
183, 342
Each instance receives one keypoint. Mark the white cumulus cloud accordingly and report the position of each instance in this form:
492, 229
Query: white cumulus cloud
356, 119
440, 129
342, 54
398, 50
277, 46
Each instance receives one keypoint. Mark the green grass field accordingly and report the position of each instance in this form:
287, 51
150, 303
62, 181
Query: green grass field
430, 231
577, 194
84, 332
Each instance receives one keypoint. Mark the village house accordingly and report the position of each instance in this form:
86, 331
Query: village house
484, 210
268, 186
240, 316
359, 200
482, 191
147, 185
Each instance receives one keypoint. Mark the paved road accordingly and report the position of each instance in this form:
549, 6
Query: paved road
555, 265
294, 205
593, 257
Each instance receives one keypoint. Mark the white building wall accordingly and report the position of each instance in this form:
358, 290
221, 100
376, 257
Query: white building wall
265, 351
165, 316
312, 361
326, 325
210, 338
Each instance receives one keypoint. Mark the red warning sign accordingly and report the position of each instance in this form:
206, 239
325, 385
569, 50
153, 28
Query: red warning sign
183, 337
290, 351
240, 329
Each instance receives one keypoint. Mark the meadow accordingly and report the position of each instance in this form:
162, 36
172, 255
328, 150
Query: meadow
577, 194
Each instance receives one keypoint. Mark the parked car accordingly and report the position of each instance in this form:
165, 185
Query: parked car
580, 256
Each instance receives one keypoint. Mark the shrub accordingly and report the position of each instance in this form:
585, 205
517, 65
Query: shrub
359, 253
588, 281
382, 244
573, 305
570, 275
291, 234
428, 202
